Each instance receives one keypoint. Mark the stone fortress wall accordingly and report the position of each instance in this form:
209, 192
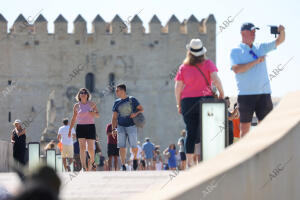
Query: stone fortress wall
41, 72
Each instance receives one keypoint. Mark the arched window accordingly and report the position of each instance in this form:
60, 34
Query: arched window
111, 83
90, 82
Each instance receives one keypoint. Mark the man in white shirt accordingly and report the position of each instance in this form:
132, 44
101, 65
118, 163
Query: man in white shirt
67, 143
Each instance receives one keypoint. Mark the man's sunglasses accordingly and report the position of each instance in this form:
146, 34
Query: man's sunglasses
253, 54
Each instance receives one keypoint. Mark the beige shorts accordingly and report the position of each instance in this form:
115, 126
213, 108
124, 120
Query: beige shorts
67, 151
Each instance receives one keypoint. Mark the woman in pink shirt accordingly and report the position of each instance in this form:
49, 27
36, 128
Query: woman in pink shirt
191, 86
84, 113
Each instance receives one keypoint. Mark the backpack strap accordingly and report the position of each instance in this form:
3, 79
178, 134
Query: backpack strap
207, 83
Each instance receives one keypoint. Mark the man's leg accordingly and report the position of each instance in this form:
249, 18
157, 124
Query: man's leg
116, 163
263, 106
65, 163
135, 161
110, 155
153, 164
70, 162
122, 155
246, 108
134, 151
122, 144
245, 128
132, 136
147, 163
70, 152
183, 164
183, 160
109, 163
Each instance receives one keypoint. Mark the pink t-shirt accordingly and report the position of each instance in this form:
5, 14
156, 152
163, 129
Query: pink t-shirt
83, 114
194, 83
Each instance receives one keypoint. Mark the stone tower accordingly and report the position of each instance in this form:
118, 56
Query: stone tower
114, 52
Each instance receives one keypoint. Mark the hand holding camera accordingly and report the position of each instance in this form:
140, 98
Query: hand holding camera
276, 30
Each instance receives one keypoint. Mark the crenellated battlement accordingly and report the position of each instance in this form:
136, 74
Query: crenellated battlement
118, 51
101, 27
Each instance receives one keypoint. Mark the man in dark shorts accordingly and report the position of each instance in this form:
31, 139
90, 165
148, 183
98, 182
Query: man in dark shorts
249, 65
112, 148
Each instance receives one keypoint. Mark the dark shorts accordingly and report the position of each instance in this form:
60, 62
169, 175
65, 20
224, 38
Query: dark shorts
112, 150
261, 104
182, 156
87, 131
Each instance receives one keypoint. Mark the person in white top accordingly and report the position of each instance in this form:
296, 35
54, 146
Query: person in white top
67, 144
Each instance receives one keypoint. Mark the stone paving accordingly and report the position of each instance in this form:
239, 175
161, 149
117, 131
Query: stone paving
101, 185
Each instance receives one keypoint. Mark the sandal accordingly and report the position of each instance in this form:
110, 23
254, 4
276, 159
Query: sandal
94, 166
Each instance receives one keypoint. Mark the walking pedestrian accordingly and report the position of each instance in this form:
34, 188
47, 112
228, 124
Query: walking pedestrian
158, 160
18, 139
193, 84
182, 150
148, 152
67, 153
231, 116
124, 110
84, 113
112, 148
171, 153
236, 125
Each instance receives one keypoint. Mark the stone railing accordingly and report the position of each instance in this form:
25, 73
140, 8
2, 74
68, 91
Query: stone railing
263, 165
6, 155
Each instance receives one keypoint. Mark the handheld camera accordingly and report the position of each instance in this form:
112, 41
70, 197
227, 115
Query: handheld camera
274, 30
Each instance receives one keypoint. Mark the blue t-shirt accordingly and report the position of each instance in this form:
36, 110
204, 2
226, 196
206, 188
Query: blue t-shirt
255, 80
148, 148
124, 109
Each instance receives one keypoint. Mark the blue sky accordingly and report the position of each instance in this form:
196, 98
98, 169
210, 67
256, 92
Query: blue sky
261, 13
